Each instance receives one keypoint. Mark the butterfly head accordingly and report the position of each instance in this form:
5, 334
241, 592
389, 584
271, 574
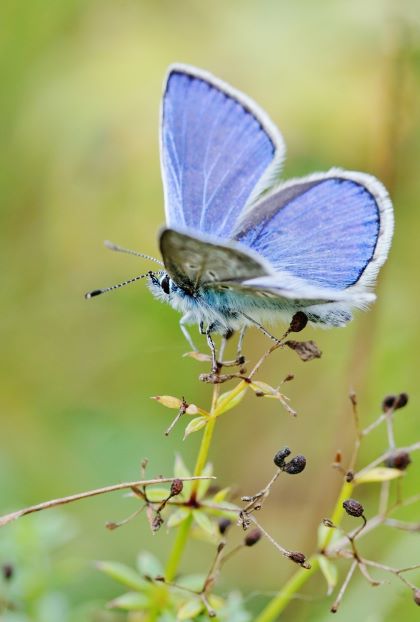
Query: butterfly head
161, 285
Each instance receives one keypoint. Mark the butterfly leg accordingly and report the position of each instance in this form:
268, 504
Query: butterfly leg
214, 364
262, 329
239, 356
182, 323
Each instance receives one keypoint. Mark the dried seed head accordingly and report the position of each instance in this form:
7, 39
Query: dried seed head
157, 523
394, 402
402, 400
176, 487
400, 460
281, 456
223, 525
295, 466
388, 402
416, 597
7, 571
353, 508
298, 558
253, 537
298, 323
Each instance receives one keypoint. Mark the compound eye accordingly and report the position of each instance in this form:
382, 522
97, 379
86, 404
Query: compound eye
165, 284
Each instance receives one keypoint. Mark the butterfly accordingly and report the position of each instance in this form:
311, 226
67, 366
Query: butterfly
240, 248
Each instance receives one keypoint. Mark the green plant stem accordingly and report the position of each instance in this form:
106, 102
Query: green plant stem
204, 447
178, 548
184, 529
275, 607
282, 599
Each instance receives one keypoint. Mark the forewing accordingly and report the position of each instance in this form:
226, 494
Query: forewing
192, 262
333, 230
218, 151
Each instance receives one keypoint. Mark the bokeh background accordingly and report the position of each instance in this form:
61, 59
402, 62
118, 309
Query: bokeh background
79, 163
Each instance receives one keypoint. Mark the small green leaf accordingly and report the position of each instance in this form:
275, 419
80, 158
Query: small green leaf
221, 495
191, 609
323, 532
198, 356
378, 474
204, 484
329, 570
181, 471
168, 400
262, 387
216, 601
149, 565
192, 410
123, 574
177, 517
157, 494
194, 425
228, 400
192, 582
132, 601
203, 521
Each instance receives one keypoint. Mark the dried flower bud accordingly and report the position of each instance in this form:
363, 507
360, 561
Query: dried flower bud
281, 456
298, 323
253, 537
7, 571
402, 400
349, 476
157, 523
224, 524
176, 487
394, 402
416, 597
298, 558
400, 460
353, 508
328, 523
295, 466
388, 402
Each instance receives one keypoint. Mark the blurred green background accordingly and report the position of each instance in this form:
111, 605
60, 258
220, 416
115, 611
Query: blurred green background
79, 163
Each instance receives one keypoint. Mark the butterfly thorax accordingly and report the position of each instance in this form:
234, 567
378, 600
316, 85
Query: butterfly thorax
223, 307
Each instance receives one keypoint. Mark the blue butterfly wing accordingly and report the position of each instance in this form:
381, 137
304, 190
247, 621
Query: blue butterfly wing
218, 152
333, 230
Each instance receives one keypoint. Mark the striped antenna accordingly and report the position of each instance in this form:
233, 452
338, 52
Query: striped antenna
97, 292
120, 249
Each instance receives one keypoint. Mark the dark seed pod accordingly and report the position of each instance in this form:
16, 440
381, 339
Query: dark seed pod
298, 558
298, 323
7, 570
416, 597
400, 460
223, 525
295, 466
253, 537
394, 402
389, 402
353, 508
176, 487
402, 400
281, 456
